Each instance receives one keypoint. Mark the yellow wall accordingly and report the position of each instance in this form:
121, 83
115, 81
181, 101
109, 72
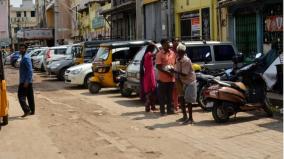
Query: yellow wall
182, 6
93, 13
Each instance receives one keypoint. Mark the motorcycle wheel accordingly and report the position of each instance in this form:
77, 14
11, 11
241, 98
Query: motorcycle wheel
219, 113
94, 88
201, 100
267, 108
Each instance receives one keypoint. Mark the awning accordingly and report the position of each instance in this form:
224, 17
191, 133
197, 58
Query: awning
120, 8
228, 3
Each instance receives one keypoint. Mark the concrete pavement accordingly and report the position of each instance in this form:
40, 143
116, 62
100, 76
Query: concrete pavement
24, 138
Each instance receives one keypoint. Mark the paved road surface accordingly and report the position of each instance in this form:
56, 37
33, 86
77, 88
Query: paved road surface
81, 125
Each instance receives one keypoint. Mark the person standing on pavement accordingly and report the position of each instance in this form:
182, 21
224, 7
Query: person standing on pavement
25, 90
149, 79
186, 75
165, 60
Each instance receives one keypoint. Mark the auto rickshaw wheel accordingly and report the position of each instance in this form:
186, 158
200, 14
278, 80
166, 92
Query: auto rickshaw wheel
94, 87
5, 120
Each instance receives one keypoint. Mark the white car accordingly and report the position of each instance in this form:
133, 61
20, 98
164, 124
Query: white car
38, 60
53, 53
79, 74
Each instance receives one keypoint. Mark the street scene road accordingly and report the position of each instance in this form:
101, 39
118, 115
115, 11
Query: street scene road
72, 123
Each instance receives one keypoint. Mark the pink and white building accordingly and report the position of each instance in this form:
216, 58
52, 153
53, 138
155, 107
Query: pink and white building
4, 25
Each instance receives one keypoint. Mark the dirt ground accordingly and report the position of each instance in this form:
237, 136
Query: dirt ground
106, 125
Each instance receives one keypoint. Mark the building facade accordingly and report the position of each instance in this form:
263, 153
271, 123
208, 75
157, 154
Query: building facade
58, 17
252, 25
4, 25
122, 19
100, 28
75, 15
154, 27
23, 17
196, 19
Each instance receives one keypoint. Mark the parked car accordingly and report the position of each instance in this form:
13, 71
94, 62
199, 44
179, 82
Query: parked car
79, 74
59, 66
221, 54
37, 60
32, 53
54, 53
7, 60
14, 57
111, 59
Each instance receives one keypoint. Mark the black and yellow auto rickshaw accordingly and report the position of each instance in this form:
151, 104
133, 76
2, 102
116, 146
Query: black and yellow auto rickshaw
112, 59
4, 105
88, 50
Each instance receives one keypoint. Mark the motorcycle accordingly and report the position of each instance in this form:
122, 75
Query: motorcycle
249, 94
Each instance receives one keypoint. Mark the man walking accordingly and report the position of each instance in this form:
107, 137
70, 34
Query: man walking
187, 77
165, 60
25, 90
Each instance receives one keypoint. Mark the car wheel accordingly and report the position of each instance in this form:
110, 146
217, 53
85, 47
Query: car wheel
87, 80
94, 88
60, 76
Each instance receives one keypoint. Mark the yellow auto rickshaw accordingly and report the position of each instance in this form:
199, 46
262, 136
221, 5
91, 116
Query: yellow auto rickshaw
111, 60
4, 105
87, 51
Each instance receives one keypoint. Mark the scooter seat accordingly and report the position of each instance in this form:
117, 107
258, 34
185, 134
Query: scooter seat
237, 85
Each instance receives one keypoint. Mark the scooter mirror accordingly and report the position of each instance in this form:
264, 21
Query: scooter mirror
258, 55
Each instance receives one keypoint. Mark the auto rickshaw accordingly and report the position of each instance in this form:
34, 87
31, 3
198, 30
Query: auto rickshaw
4, 105
111, 61
87, 51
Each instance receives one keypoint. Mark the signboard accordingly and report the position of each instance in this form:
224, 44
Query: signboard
35, 34
195, 26
274, 24
98, 22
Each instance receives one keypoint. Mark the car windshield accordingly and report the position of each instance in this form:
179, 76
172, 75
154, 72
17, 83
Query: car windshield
138, 57
90, 53
102, 54
69, 50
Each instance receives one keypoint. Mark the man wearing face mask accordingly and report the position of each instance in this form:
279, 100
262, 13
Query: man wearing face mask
25, 90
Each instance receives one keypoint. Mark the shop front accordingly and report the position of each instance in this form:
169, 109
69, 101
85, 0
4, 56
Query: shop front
196, 20
254, 25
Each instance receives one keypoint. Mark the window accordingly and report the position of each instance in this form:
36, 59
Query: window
223, 52
25, 14
16, 30
18, 14
32, 13
60, 51
198, 53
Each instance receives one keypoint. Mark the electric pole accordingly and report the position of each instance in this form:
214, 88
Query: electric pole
56, 15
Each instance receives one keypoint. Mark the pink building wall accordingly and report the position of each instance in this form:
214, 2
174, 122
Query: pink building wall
4, 32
